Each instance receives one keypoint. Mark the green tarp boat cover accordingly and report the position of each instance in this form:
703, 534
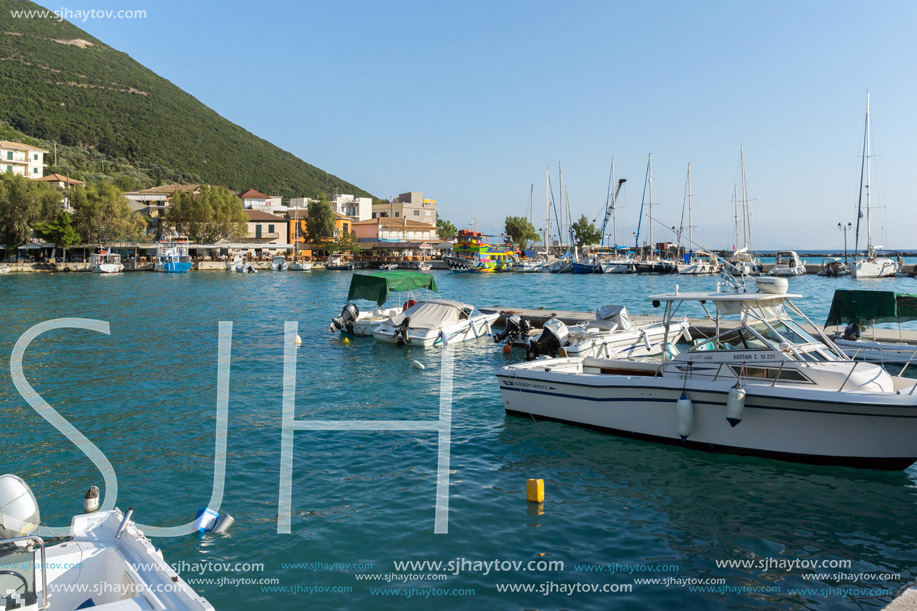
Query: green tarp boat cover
869, 307
376, 286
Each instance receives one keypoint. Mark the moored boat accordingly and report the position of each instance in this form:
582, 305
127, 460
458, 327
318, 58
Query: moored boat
172, 257
862, 309
787, 263
105, 262
760, 386
378, 287
433, 323
472, 253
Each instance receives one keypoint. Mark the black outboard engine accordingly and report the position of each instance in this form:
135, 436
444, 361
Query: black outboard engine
516, 328
552, 339
402, 331
852, 332
345, 321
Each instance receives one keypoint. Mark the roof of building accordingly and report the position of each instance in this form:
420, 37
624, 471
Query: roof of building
168, 189
389, 221
258, 215
253, 194
303, 213
20, 146
60, 178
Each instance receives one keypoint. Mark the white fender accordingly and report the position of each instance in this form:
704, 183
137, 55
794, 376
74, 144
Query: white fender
684, 416
735, 405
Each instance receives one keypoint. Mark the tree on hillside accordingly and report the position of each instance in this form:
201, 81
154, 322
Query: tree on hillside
585, 232
520, 231
320, 222
101, 214
59, 231
214, 214
22, 203
446, 229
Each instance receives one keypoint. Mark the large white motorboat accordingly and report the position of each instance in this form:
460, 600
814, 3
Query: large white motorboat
104, 563
433, 322
787, 263
862, 309
279, 264
611, 335
105, 262
871, 264
760, 386
378, 287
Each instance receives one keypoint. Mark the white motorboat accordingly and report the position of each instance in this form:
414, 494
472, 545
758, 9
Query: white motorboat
279, 264
832, 267
105, 262
300, 266
787, 263
871, 264
240, 265
611, 335
862, 309
4, 268
619, 265
761, 386
378, 287
698, 263
338, 263
536, 265
424, 266
429, 323
104, 563
743, 263
388, 266
560, 266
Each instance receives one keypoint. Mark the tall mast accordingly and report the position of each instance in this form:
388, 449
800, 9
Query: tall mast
531, 211
547, 214
746, 218
563, 217
652, 243
614, 205
866, 160
690, 218
735, 211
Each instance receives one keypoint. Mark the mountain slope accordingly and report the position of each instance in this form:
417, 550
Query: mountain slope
60, 84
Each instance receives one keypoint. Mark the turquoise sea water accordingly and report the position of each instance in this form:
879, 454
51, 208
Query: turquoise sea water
146, 396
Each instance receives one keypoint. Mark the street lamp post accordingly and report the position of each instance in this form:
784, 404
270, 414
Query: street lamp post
845, 229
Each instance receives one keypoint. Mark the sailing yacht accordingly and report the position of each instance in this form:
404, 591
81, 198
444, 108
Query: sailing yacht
695, 262
870, 264
743, 261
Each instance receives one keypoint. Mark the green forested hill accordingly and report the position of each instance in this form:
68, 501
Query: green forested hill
60, 84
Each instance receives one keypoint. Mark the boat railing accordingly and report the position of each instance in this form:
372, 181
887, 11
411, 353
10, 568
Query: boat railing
44, 564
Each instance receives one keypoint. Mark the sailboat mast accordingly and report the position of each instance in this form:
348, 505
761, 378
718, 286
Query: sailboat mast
868, 219
547, 214
746, 230
735, 211
652, 243
614, 211
690, 217
531, 204
563, 216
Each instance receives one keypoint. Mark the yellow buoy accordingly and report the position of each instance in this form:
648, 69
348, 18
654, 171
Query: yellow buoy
346, 341
534, 491
298, 340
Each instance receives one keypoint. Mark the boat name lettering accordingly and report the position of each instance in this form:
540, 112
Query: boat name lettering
527, 385
767, 356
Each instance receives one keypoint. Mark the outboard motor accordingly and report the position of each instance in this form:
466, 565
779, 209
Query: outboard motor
852, 332
552, 338
345, 321
402, 331
516, 328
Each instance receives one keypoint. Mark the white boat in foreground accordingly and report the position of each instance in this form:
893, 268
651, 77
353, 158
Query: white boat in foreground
428, 323
762, 386
105, 262
105, 563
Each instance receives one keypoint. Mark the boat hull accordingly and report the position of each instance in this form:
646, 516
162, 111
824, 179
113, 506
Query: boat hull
473, 328
861, 429
878, 268
107, 268
697, 268
878, 352
172, 267
633, 343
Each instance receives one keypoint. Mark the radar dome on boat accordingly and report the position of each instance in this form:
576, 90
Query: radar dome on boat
772, 285
18, 508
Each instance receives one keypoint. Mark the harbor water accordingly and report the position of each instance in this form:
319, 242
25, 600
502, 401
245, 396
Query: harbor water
714, 531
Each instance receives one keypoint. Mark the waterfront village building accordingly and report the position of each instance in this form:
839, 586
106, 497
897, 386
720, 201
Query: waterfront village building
60, 181
256, 200
386, 229
265, 228
153, 202
298, 230
22, 159
357, 208
410, 205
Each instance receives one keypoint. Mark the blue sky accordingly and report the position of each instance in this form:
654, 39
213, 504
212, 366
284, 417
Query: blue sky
470, 101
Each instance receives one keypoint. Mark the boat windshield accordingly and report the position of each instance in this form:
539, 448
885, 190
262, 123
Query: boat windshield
789, 330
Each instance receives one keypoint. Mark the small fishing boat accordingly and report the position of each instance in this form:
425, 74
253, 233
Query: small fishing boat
787, 263
279, 264
589, 264
105, 262
860, 310
378, 287
4, 268
300, 266
832, 267
762, 386
338, 263
611, 335
619, 265
172, 257
105, 562
388, 266
531, 265
433, 322
424, 266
